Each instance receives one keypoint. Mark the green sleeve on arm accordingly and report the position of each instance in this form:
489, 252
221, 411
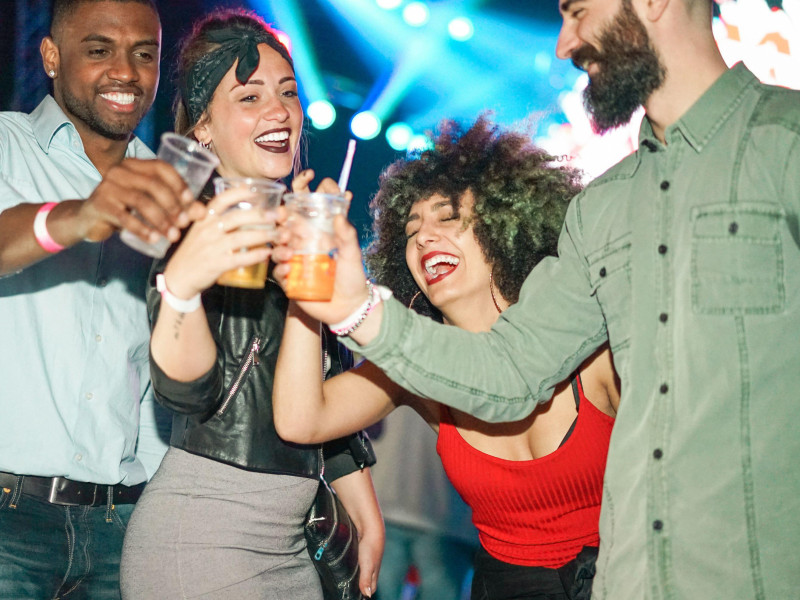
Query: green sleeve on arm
499, 375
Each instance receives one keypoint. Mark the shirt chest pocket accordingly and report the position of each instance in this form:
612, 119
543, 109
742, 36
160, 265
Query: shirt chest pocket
737, 259
610, 279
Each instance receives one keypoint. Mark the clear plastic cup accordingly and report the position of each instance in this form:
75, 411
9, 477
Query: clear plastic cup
194, 164
265, 195
312, 268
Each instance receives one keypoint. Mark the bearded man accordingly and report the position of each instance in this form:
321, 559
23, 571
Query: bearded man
685, 257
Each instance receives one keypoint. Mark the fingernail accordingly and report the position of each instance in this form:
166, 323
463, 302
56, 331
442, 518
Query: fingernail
187, 196
173, 234
182, 220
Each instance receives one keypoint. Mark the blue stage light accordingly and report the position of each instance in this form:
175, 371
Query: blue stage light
416, 14
322, 114
399, 136
461, 29
365, 125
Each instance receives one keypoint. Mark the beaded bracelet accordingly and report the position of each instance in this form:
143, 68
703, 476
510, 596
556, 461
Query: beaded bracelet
40, 232
354, 320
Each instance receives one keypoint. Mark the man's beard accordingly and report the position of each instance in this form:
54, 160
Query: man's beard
87, 114
628, 70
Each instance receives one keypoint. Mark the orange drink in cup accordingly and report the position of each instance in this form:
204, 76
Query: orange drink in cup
312, 268
264, 195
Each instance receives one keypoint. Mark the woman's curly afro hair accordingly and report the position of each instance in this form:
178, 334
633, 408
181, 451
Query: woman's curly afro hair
520, 199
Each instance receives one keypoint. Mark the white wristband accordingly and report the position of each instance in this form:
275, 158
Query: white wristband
182, 306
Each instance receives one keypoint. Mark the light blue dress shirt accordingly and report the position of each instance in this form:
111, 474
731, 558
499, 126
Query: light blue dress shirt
73, 327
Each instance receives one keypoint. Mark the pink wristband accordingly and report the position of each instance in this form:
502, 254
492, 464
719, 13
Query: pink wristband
40, 229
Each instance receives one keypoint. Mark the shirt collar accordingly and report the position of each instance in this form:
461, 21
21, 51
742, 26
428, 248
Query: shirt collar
704, 117
46, 120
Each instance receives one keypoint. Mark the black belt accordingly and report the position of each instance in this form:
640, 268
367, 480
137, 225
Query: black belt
66, 492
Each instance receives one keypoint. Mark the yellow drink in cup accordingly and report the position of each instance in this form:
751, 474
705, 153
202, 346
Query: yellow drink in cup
265, 194
311, 277
312, 268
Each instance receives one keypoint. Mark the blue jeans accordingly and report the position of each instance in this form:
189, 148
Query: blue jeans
50, 551
442, 563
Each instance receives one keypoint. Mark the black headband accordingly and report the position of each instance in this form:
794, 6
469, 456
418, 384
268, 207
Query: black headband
198, 85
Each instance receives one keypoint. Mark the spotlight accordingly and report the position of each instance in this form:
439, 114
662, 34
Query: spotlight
399, 135
365, 125
416, 14
388, 4
322, 114
461, 29
419, 143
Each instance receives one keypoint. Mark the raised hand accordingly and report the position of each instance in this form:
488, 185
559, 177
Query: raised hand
218, 242
152, 188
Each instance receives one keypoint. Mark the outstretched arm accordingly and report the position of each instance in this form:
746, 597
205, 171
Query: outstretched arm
151, 187
498, 375
305, 410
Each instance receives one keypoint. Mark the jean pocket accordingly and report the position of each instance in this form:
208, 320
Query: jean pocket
610, 280
737, 259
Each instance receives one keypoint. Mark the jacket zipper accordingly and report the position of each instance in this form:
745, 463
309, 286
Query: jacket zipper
250, 360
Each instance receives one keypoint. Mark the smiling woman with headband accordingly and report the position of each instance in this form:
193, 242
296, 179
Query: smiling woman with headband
223, 517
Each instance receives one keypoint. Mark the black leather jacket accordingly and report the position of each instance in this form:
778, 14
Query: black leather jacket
226, 414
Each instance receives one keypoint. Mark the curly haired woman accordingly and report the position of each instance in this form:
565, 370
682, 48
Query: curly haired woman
456, 232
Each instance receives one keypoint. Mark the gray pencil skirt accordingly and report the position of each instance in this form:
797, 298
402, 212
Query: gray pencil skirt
203, 529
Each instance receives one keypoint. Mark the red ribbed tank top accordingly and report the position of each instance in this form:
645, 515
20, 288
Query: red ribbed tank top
534, 512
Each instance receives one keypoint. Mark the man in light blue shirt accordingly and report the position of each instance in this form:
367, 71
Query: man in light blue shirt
74, 350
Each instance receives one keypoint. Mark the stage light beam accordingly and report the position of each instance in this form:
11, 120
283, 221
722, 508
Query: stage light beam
416, 14
461, 29
365, 125
322, 114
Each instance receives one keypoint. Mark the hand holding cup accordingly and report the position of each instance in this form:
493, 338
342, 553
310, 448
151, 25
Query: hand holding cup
221, 241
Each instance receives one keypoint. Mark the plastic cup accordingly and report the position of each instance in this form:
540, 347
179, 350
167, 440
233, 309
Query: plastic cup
264, 195
312, 268
194, 164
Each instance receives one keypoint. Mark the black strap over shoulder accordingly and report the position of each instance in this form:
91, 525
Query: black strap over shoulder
577, 395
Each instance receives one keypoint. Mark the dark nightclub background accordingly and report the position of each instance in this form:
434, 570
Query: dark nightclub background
351, 54
412, 63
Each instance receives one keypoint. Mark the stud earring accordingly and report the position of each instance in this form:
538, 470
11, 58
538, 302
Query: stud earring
51, 73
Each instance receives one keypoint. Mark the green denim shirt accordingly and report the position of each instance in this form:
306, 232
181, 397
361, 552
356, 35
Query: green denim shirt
685, 257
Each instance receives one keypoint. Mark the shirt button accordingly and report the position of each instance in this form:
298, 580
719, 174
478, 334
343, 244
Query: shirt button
98, 338
102, 282
664, 388
733, 228
79, 457
89, 395
603, 272
662, 249
663, 317
658, 525
665, 185
657, 453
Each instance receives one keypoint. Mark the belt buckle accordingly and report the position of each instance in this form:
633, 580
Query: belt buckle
56, 497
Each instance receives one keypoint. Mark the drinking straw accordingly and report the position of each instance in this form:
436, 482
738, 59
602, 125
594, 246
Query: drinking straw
348, 163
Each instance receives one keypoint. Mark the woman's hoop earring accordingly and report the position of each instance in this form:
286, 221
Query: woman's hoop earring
413, 299
203, 145
491, 290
